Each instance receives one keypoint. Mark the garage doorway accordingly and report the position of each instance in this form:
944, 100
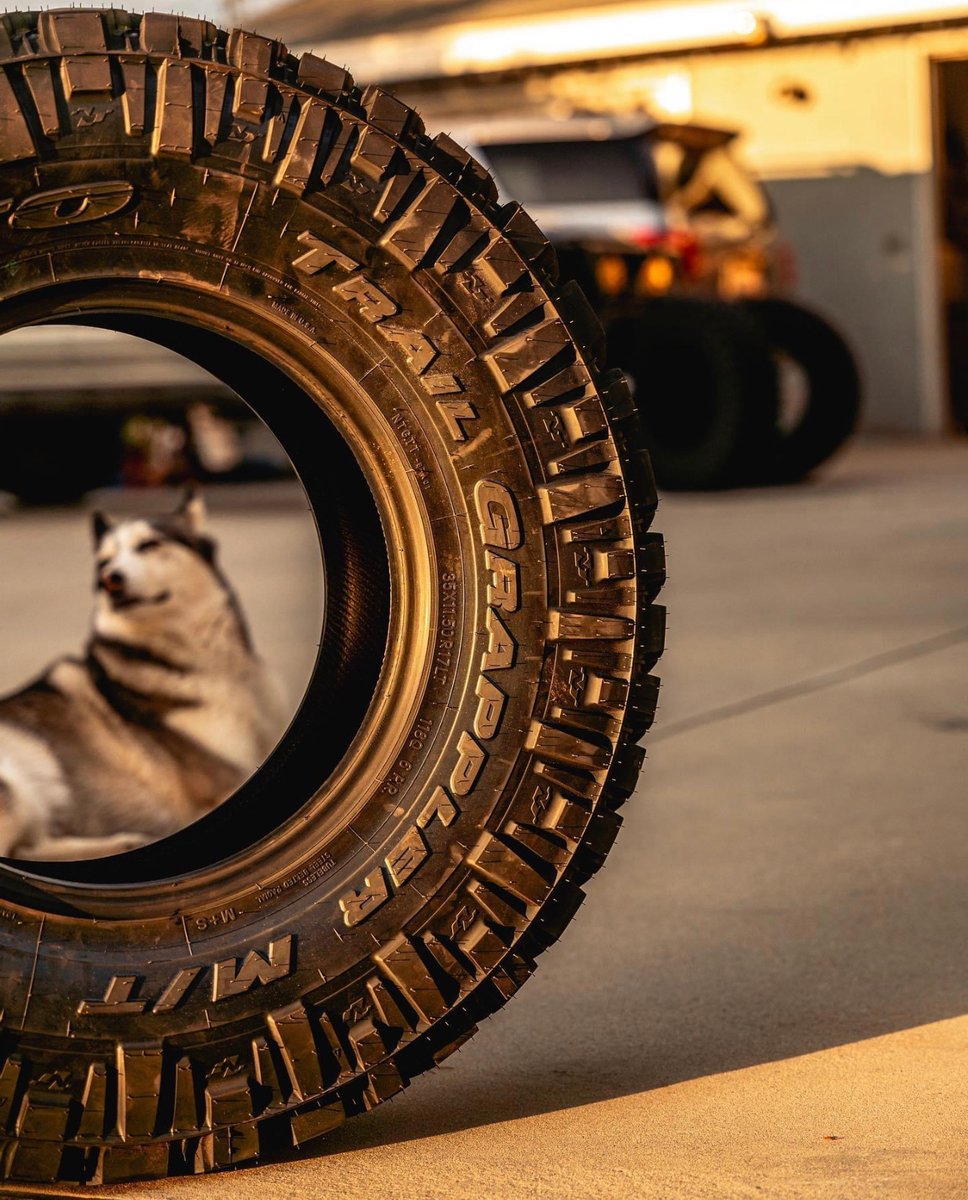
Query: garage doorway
951, 136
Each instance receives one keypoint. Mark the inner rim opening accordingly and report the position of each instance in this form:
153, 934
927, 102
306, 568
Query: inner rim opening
353, 636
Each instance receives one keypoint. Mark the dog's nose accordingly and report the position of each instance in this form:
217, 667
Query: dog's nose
113, 581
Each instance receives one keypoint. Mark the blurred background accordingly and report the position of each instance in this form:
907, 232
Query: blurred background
767, 205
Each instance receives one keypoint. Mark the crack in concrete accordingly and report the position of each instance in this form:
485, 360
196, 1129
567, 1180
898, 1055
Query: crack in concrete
816, 683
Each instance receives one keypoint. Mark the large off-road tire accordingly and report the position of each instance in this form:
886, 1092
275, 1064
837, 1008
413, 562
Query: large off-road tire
423, 830
706, 386
820, 361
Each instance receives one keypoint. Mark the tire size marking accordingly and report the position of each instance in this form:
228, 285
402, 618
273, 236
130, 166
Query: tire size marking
229, 977
446, 628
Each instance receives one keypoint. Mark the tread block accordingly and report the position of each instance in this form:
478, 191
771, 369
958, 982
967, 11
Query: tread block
174, 127
11, 1099
581, 319
290, 1029
216, 85
652, 629
46, 1114
516, 358
374, 153
70, 31
335, 158
388, 113
384, 1081
516, 308
482, 944
184, 1115
15, 139
34, 1162
159, 33
387, 1009
643, 702
496, 907
577, 626
228, 1099
133, 72
413, 235
498, 860
267, 1076
499, 266
562, 386
139, 1083
87, 75
236, 1144
466, 241
323, 76
466, 170
314, 1122
581, 785
40, 84
296, 166
558, 746
521, 230
94, 1104
612, 529
626, 768
367, 1042
254, 56
401, 962
585, 458
570, 498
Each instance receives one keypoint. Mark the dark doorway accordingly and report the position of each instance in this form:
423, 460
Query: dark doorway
951, 131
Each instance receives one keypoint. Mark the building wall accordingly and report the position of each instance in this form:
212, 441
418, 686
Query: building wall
842, 134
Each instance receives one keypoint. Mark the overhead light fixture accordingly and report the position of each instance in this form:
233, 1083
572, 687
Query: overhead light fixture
799, 17
582, 34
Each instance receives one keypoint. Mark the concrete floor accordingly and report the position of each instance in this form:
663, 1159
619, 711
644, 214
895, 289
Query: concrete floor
766, 992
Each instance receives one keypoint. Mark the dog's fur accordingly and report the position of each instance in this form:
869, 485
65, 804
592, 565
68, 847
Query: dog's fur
167, 713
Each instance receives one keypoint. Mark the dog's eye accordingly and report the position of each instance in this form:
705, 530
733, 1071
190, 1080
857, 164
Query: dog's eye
149, 544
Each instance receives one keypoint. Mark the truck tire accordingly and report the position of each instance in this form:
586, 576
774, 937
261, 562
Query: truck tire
453, 776
705, 386
830, 406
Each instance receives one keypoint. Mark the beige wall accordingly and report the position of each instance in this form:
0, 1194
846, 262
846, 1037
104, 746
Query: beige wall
843, 135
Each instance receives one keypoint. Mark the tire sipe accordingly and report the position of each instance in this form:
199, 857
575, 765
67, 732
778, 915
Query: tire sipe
452, 778
832, 400
706, 387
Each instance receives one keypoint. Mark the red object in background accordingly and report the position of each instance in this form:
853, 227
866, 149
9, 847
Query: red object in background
680, 244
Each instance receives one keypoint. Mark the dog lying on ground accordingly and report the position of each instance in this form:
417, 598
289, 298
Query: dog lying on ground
167, 713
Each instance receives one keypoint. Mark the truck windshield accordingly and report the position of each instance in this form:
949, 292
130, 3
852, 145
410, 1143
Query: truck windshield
577, 172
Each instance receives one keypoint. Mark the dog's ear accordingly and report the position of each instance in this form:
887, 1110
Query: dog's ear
193, 511
99, 527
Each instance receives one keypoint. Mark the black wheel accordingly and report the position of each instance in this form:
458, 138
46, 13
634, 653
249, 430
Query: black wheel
387, 877
705, 386
819, 387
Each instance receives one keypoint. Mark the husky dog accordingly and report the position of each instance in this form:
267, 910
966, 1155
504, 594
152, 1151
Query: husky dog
167, 713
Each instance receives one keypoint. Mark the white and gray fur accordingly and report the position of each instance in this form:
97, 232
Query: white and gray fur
169, 710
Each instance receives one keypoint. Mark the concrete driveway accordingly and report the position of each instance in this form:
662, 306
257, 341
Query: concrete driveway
765, 994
